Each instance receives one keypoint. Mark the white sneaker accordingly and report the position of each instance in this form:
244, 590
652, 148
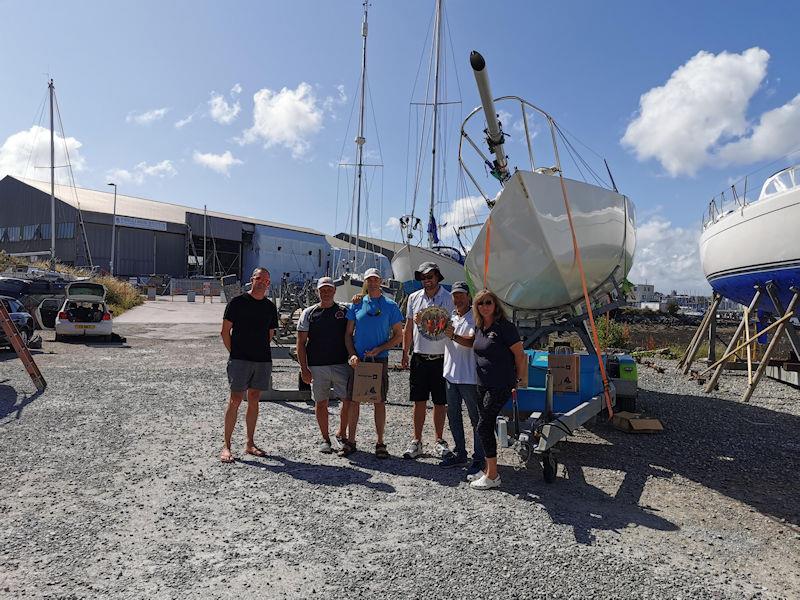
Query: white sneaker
441, 449
475, 476
484, 483
414, 450
325, 447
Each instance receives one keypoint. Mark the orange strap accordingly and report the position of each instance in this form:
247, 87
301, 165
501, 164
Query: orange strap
486, 252
586, 299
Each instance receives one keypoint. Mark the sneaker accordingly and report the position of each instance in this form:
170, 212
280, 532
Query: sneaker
414, 450
475, 476
484, 483
441, 449
475, 467
325, 447
453, 460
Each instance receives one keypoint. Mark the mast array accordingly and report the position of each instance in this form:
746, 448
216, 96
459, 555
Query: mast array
360, 140
433, 236
52, 183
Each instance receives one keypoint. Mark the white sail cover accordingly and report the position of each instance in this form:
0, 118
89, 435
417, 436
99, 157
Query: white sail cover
531, 262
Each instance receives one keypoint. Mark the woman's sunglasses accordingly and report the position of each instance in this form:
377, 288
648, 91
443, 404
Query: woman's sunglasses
485, 302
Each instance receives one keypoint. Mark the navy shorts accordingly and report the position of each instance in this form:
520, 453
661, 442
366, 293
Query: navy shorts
248, 375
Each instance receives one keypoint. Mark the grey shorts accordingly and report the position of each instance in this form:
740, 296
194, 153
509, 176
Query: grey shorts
248, 375
327, 377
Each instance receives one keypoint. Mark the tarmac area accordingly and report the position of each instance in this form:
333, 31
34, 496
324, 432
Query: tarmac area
111, 487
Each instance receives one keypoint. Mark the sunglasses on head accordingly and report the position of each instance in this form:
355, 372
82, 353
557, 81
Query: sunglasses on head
485, 302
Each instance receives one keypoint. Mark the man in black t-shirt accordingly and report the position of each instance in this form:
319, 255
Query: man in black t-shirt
248, 325
323, 356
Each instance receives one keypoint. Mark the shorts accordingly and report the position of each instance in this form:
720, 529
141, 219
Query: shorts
248, 375
327, 377
427, 379
385, 379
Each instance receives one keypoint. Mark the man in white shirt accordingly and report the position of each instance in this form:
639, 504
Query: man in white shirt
462, 380
427, 359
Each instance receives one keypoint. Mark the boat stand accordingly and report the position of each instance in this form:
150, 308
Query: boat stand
778, 327
708, 324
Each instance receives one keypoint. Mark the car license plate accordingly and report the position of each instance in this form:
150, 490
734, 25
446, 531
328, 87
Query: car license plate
84, 326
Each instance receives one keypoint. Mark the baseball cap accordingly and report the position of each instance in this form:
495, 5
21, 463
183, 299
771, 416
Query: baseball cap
426, 268
459, 286
372, 273
325, 281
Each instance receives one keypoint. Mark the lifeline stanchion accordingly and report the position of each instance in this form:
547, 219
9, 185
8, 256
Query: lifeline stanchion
12, 334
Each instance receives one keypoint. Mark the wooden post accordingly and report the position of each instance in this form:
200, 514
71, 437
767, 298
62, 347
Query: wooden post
701, 332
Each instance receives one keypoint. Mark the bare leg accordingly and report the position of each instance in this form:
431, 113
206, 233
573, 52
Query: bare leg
230, 423
380, 420
491, 468
352, 421
344, 413
420, 408
321, 411
439, 416
251, 418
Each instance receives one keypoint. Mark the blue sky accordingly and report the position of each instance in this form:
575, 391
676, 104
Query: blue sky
269, 87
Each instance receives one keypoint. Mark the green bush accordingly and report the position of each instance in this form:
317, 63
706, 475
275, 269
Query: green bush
612, 334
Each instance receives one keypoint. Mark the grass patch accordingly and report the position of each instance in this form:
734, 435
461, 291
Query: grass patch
121, 295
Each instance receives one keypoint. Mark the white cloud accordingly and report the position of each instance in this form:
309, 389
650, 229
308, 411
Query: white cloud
221, 111
464, 211
221, 163
702, 104
668, 257
25, 153
286, 118
330, 102
147, 117
777, 133
142, 171
393, 223
236, 89
185, 121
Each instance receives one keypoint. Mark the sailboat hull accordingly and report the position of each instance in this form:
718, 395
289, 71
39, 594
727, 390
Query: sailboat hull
531, 262
409, 258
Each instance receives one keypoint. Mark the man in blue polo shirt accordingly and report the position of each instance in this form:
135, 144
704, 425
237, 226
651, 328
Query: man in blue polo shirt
373, 327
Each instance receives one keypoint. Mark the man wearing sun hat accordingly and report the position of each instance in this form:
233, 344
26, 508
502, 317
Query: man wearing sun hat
373, 327
322, 355
427, 359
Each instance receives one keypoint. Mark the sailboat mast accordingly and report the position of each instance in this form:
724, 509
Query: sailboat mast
360, 140
437, 52
52, 184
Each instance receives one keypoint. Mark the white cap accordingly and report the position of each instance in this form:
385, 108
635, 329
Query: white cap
372, 273
325, 281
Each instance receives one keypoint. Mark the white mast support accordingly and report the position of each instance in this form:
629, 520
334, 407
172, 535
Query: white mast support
438, 54
360, 140
494, 131
52, 185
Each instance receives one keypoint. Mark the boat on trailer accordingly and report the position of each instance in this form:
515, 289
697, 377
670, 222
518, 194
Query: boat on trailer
748, 244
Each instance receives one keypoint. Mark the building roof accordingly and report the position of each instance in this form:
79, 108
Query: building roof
392, 247
142, 208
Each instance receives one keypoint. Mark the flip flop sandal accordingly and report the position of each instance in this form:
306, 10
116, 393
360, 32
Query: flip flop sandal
256, 451
347, 449
381, 451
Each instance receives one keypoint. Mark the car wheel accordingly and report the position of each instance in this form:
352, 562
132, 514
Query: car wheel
59, 337
24, 336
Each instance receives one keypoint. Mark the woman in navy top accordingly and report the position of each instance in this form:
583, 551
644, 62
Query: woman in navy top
501, 366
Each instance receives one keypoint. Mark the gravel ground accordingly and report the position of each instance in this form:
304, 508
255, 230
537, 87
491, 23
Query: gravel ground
111, 487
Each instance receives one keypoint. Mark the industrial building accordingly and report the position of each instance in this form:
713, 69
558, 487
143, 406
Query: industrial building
157, 237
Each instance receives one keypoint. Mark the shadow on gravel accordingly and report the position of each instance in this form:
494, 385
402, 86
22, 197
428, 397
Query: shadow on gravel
397, 465
319, 474
9, 405
9, 354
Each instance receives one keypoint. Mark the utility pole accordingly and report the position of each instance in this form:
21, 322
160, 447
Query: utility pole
113, 231
52, 185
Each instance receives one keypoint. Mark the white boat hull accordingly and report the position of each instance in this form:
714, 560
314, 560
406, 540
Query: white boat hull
409, 258
531, 262
752, 245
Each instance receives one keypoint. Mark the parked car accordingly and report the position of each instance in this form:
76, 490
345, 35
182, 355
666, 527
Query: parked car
21, 318
84, 312
31, 292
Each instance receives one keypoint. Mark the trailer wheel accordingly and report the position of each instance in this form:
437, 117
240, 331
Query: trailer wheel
549, 467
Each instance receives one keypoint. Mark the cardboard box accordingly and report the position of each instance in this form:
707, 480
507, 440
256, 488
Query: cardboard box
635, 423
566, 372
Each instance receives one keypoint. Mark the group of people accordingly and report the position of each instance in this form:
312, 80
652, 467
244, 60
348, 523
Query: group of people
477, 364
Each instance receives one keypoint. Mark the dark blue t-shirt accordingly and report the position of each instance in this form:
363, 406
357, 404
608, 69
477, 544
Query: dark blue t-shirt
374, 319
495, 361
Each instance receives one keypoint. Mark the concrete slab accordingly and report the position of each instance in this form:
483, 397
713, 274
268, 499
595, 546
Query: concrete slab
166, 310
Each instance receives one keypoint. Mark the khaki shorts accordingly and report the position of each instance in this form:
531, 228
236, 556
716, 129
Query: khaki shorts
327, 377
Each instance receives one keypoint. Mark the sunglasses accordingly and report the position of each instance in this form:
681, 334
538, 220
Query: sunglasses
486, 303
377, 313
428, 276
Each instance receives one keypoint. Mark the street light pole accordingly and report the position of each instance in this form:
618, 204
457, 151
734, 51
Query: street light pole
113, 230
